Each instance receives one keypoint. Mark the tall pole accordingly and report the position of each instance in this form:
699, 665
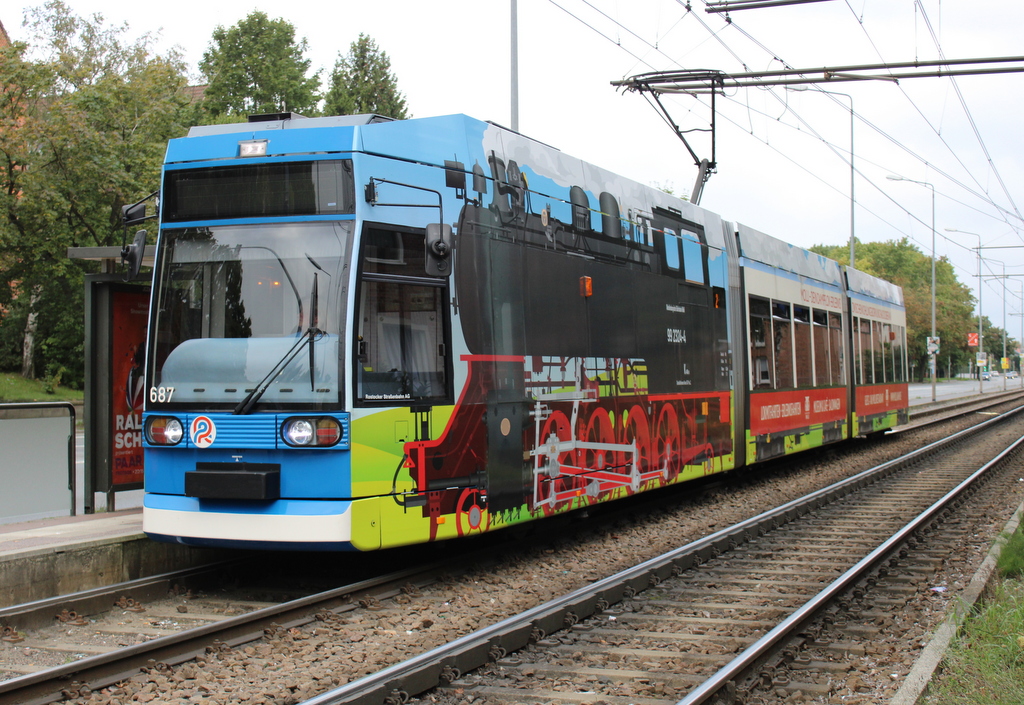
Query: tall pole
981, 285
1020, 368
852, 201
1004, 328
931, 351
981, 337
1020, 343
934, 361
515, 65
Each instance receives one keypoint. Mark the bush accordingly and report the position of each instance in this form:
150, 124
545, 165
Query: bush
1011, 560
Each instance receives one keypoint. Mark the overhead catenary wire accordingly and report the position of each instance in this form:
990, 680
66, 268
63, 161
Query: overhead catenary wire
970, 117
718, 37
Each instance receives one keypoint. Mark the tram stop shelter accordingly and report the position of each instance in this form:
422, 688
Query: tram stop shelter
116, 315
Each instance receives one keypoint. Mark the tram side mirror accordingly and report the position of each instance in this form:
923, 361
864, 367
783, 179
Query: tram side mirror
479, 180
455, 177
439, 250
131, 255
136, 213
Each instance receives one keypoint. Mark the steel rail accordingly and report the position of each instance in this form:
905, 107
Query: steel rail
40, 613
448, 662
102, 670
930, 415
813, 607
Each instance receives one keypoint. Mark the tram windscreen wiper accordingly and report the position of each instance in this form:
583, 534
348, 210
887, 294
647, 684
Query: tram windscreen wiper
309, 337
314, 329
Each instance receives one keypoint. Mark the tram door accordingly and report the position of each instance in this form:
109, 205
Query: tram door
401, 334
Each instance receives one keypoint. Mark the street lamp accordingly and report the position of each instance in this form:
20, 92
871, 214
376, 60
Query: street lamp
931, 353
852, 170
1020, 367
1003, 277
981, 339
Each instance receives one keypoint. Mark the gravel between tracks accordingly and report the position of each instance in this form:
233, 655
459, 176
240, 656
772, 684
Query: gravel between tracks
290, 665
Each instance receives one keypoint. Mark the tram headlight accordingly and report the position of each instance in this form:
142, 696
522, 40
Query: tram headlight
320, 432
299, 432
164, 431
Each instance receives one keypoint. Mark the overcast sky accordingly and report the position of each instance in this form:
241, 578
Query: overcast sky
783, 156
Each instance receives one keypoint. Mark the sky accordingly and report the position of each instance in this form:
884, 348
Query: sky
783, 157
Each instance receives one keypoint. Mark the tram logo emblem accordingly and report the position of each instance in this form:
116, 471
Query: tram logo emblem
202, 432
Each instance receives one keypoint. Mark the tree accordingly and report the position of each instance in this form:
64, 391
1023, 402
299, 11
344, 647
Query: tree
257, 67
362, 82
82, 133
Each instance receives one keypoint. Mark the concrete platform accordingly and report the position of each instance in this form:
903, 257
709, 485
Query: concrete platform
51, 557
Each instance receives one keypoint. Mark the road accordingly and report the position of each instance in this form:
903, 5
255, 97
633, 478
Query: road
922, 393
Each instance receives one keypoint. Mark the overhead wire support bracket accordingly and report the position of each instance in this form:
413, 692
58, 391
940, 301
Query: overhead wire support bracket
704, 82
732, 5
705, 167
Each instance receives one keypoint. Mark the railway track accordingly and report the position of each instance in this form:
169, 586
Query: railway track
391, 616
712, 620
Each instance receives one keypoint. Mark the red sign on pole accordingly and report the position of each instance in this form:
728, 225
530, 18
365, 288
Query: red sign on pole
972, 340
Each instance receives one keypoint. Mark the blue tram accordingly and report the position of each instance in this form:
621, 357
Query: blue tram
368, 333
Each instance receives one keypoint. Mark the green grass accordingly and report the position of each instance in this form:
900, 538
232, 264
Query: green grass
1011, 560
15, 388
985, 663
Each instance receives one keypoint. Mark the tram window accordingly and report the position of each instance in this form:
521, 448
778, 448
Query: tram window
878, 353
899, 363
672, 257
865, 367
285, 189
802, 346
401, 343
387, 251
782, 336
835, 359
761, 362
819, 331
885, 339
693, 258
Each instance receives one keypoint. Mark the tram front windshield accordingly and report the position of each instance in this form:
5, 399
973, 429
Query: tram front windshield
242, 306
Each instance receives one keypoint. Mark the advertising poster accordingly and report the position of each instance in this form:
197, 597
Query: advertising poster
128, 354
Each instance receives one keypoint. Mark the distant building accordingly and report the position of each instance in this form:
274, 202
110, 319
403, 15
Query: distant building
5, 41
195, 93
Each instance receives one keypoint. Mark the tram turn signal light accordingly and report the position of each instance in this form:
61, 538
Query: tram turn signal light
312, 432
164, 431
586, 287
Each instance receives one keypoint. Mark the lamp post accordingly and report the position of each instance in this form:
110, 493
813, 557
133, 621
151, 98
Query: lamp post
852, 170
931, 353
1020, 367
515, 65
981, 339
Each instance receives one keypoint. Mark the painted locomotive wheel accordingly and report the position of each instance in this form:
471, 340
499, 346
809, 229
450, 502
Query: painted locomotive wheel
668, 443
599, 430
637, 429
556, 424
709, 459
471, 516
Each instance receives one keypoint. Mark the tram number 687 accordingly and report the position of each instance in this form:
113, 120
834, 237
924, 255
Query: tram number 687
161, 394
